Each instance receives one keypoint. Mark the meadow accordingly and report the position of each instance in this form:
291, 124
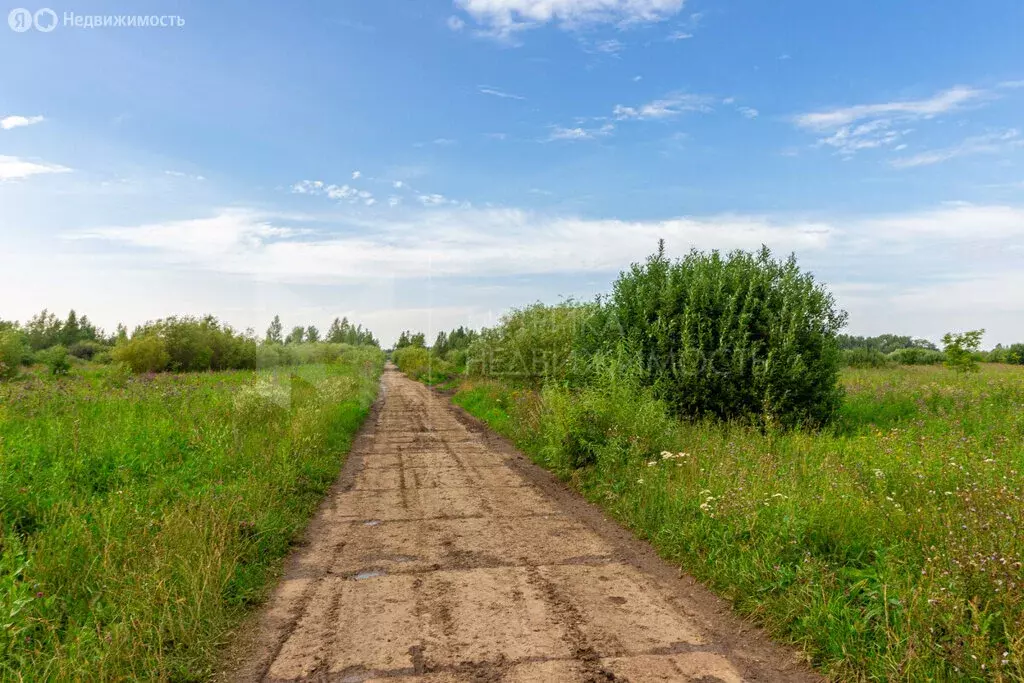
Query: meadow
143, 516
887, 545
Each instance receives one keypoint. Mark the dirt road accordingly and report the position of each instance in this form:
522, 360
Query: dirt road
443, 555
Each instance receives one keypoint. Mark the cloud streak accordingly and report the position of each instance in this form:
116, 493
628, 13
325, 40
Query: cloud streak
16, 168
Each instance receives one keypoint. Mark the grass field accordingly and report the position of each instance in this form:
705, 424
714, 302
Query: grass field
140, 518
889, 547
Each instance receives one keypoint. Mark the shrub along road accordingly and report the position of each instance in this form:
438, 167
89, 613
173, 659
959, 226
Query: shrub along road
443, 554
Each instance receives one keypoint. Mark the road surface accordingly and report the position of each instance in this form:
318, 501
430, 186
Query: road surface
442, 554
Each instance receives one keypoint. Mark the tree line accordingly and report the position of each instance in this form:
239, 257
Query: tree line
176, 343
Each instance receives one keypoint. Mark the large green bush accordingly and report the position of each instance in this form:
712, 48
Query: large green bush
733, 336
12, 350
143, 354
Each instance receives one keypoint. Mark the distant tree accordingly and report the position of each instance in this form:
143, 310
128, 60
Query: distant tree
43, 330
70, 330
418, 340
403, 340
312, 334
297, 334
274, 331
121, 334
960, 350
336, 332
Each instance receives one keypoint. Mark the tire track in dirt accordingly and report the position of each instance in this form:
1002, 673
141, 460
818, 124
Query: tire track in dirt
442, 554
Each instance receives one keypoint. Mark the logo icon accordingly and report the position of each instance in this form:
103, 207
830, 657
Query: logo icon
46, 20
20, 20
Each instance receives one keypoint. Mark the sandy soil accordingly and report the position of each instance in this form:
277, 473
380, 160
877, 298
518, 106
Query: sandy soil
442, 554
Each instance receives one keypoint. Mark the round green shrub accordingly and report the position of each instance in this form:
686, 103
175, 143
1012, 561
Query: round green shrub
739, 336
143, 354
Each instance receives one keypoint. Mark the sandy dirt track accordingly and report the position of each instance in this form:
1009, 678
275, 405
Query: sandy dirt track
442, 554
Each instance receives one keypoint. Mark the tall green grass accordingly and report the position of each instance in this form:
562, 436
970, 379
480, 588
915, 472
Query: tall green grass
888, 546
140, 518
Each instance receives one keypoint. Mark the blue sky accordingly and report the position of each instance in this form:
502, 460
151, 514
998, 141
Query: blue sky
431, 163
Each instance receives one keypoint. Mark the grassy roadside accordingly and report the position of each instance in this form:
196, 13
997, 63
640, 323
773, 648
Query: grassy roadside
888, 547
141, 518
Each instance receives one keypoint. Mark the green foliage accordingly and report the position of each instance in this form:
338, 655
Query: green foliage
415, 361
274, 331
885, 343
12, 351
407, 338
531, 345
861, 357
1013, 354
961, 349
458, 339
737, 336
917, 356
342, 331
86, 349
55, 359
200, 344
312, 334
143, 353
297, 335
887, 546
46, 330
141, 520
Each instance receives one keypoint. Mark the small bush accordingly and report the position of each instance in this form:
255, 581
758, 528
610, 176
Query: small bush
12, 351
55, 359
86, 350
143, 354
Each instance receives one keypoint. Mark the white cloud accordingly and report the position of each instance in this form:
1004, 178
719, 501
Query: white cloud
432, 199
991, 143
667, 107
456, 24
501, 18
398, 184
676, 36
610, 47
749, 112
179, 174
444, 142
561, 133
940, 103
394, 201
953, 266
10, 122
336, 192
873, 126
16, 168
486, 90
356, 175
